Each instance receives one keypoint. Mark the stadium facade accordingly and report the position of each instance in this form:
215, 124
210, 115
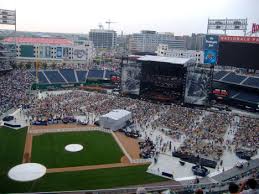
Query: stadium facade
50, 50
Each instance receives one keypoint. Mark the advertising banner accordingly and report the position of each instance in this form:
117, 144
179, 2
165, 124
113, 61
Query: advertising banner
198, 86
48, 52
211, 42
59, 52
240, 39
41, 53
65, 53
130, 78
79, 53
210, 57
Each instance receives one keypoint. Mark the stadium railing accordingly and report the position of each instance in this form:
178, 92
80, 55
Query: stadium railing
212, 188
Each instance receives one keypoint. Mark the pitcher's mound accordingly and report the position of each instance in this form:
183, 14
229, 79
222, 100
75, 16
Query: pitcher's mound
73, 147
27, 172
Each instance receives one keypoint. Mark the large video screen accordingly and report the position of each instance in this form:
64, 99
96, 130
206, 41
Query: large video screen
198, 86
130, 78
242, 55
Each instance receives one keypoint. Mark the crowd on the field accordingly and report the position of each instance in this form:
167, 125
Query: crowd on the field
203, 131
208, 137
247, 137
13, 89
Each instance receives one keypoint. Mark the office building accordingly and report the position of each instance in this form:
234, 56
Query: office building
148, 41
103, 39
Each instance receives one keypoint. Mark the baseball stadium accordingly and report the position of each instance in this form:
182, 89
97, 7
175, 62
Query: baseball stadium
77, 119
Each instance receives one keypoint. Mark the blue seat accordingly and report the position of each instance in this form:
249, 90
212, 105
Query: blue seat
54, 77
234, 78
69, 75
252, 81
109, 74
247, 97
97, 74
232, 93
218, 75
33, 73
42, 78
81, 75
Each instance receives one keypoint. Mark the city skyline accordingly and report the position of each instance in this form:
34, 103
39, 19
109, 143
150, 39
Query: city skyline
180, 17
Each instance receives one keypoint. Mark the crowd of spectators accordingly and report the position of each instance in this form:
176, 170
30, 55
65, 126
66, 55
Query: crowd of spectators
208, 138
4, 66
14, 86
203, 132
248, 134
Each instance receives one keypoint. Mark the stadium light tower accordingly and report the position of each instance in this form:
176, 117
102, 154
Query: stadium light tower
109, 22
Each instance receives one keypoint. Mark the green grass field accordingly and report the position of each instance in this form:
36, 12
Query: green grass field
11, 150
83, 180
99, 148
11, 147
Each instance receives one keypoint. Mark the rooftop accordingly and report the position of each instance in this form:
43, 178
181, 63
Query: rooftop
51, 41
117, 114
172, 60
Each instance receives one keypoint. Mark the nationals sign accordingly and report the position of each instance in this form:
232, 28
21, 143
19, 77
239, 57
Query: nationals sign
242, 39
255, 28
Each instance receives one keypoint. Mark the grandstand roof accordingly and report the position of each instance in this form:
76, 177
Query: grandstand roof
172, 60
30, 40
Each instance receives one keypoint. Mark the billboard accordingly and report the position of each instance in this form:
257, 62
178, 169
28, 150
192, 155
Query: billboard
211, 42
27, 51
65, 53
59, 52
44, 51
79, 53
7, 17
130, 78
47, 51
198, 85
239, 52
239, 39
227, 24
210, 57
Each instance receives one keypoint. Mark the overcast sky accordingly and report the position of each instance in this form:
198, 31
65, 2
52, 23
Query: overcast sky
78, 16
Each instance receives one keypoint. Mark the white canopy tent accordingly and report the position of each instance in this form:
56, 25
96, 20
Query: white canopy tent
116, 119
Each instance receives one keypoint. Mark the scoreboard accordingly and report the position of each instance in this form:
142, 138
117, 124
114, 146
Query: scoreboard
239, 51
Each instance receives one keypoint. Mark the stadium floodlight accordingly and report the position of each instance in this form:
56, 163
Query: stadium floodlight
227, 25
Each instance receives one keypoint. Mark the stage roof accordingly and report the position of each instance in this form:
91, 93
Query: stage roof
172, 60
30, 40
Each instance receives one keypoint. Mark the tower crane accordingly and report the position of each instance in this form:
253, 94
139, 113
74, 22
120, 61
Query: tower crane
109, 22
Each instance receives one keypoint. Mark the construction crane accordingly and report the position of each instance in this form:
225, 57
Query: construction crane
109, 22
